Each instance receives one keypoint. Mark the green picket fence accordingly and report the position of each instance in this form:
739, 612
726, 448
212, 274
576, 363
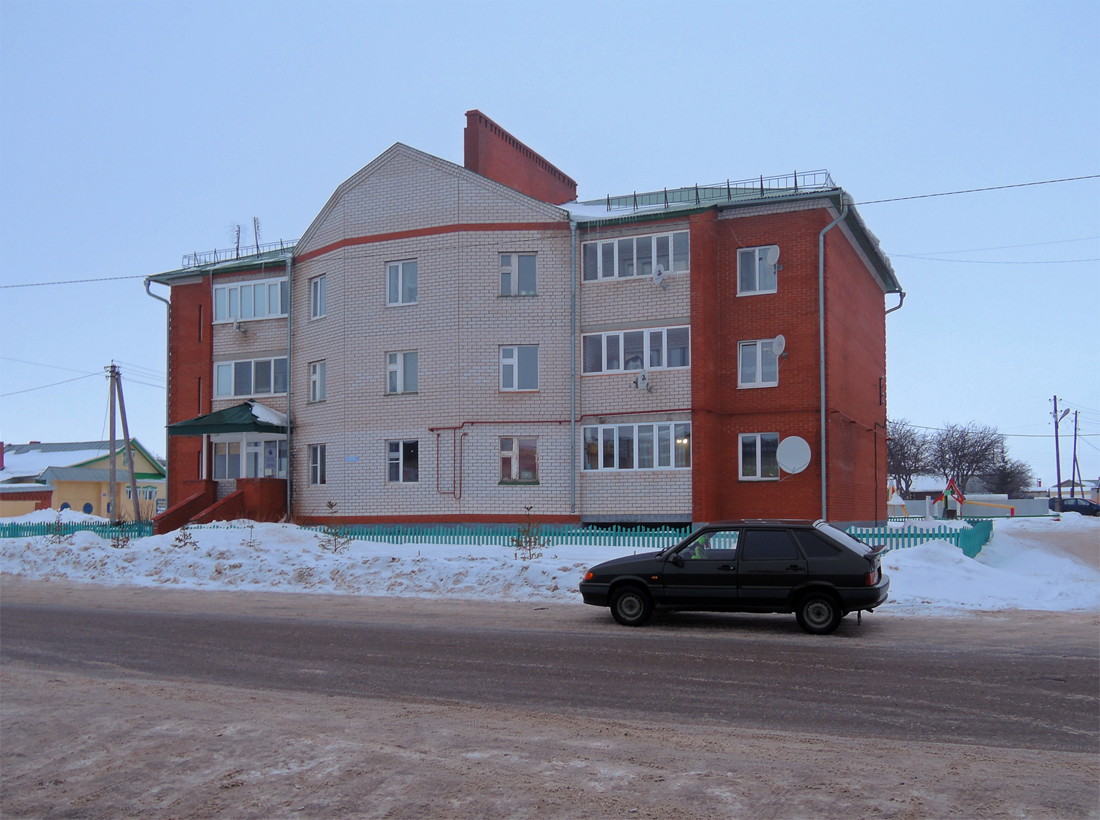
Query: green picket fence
103, 530
969, 541
501, 535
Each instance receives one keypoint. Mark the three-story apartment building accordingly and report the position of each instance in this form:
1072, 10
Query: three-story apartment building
461, 343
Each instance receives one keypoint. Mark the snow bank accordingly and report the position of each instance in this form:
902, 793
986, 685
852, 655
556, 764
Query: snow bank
1018, 569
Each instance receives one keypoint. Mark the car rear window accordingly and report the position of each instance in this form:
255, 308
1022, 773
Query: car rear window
814, 545
845, 540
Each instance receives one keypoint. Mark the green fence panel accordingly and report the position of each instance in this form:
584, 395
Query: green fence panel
970, 541
103, 530
496, 535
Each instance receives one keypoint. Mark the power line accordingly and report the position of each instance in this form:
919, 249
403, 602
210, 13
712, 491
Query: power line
69, 282
977, 190
1008, 247
1006, 435
44, 386
993, 261
40, 364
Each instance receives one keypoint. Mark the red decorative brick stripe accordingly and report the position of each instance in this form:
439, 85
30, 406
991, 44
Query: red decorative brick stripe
436, 230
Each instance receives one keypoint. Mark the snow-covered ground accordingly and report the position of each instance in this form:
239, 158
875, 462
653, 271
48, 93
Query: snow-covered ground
1034, 563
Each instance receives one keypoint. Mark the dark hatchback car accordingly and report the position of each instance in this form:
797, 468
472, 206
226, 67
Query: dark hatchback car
1077, 505
811, 569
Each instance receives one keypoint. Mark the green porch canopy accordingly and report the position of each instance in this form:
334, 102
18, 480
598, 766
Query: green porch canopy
250, 417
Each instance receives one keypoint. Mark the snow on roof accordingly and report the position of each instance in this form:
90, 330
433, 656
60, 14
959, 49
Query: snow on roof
23, 460
265, 414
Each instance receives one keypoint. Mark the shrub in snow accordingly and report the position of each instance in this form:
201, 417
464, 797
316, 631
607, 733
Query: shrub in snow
528, 541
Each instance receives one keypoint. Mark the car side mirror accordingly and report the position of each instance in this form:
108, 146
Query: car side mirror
677, 559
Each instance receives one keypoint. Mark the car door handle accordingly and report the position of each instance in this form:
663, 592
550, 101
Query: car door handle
795, 566
725, 568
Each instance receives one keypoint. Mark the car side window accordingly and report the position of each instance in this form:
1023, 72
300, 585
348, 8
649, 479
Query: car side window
768, 545
716, 546
814, 546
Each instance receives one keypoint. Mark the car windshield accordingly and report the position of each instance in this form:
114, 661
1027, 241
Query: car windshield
842, 537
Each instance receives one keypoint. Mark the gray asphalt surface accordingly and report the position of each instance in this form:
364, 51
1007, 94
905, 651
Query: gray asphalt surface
1023, 681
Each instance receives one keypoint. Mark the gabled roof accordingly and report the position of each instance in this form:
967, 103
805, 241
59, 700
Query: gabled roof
33, 459
95, 474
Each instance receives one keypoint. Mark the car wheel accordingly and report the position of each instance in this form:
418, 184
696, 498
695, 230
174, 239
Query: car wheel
818, 613
631, 606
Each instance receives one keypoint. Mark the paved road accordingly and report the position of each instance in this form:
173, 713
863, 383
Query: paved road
993, 682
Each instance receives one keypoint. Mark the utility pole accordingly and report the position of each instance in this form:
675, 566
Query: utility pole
1075, 470
129, 447
112, 470
1057, 451
116, 397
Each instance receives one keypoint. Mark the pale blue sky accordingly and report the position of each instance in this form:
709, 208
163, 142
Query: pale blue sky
134, 132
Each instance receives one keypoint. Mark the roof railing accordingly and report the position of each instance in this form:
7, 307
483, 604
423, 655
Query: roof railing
194, 260
741, 190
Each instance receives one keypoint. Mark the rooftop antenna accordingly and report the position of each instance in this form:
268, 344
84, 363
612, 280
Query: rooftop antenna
256, 231
236, 241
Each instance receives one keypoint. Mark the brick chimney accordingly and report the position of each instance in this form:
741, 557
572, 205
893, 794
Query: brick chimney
494, 153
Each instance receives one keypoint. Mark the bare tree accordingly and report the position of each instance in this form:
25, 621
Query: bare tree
906, 454
1009, 476
963, 452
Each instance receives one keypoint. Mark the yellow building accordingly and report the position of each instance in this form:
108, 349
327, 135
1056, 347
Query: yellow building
76, 475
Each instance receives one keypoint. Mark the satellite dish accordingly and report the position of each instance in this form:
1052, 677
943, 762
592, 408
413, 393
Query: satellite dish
779, 344
659, 277
771, 255
793, 454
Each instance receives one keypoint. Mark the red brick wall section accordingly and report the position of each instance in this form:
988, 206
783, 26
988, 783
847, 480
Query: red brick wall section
855, 341
494, 153
195, 496
190, 376
856, 348
264, 498
709, 457
42, 500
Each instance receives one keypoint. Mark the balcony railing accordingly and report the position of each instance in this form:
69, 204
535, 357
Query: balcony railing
741, 190
194, 260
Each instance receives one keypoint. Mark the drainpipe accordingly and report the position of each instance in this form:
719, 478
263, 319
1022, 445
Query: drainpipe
901, 301
288, 260
167, 375
573, 366
821, 347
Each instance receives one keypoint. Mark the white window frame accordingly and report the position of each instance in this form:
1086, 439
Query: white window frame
512, 368
652, 446
612, 347
248, 455
397, 275
230, 367
755, 258
512, 450
514, 279
758, 464
756, 351
318, 381
618, 258
318, 465
230, 307
228, 464
396, 457
397, 371
318, 297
